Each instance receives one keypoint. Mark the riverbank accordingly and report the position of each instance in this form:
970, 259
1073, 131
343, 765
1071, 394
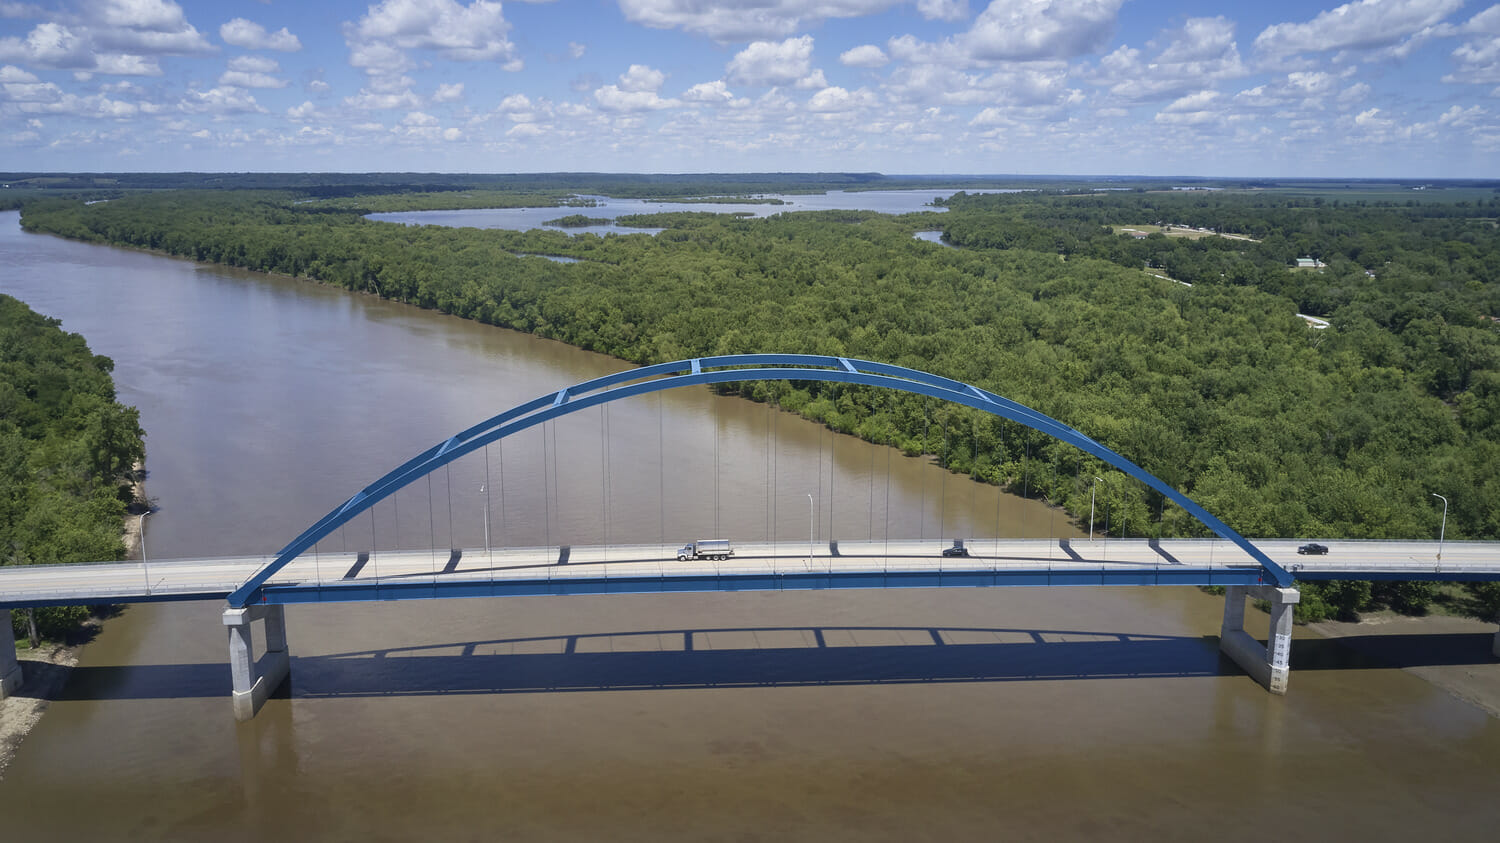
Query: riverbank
45, 670
1463, 665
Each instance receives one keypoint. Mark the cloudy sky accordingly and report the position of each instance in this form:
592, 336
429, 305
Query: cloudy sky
1372, 88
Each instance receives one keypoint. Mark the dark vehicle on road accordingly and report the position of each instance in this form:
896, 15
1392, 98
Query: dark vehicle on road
1312, 549
955, 551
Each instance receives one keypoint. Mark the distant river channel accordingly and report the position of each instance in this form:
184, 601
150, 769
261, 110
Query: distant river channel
610, 208
984, 714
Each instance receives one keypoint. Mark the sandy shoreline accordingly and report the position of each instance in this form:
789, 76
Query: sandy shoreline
1467, 669
45, 672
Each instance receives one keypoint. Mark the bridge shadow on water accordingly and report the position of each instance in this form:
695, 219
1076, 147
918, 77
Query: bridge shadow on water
764, 657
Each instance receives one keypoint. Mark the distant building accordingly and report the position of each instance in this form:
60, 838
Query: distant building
1310, 263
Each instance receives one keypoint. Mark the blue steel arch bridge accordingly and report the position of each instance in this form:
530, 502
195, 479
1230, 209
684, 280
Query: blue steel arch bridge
257, 588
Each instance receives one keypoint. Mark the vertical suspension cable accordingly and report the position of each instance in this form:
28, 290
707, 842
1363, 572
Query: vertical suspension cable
661, 477
870, 526
890, 433
714, 397
922, 473
833, 464
501, 446
488, 551
1052, 507
374, 556
546, 488
604, 474
1026, 487
448, 474
557, 487
999, 476
943, 486
819, 519
768, 471
431, 525
775, 460
1000, 482
973, 473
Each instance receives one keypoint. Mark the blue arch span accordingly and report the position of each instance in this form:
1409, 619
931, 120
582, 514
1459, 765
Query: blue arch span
725, 369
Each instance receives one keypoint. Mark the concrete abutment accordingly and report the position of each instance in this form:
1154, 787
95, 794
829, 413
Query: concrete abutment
10, 668
256, 679
1270, 664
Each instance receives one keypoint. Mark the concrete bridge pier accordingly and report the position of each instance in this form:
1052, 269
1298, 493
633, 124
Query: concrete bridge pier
10, 669
256, 679
1269, 665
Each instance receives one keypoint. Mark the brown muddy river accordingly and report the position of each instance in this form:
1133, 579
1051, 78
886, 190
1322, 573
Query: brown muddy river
986, 714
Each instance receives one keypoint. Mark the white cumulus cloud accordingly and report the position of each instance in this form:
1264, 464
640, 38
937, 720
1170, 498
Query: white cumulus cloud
1202, 50
17, 85
1027, 30
476, 32
865, 55
118, 37
708, 93
613, 98
641, 78
836, 99
948, 10
744, 20
1363, 24
252, 36
768, 63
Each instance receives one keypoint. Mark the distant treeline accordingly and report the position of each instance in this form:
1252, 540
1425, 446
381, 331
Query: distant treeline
67, 450
1279, 428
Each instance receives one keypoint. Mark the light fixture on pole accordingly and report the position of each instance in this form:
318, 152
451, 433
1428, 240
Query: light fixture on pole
1443, 529
486, 490
1092, 491
811, 528
144, 572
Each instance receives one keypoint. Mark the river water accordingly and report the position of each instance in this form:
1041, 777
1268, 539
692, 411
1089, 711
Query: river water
980, 714
611, 207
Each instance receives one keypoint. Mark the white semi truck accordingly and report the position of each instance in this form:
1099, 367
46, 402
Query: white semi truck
705, 549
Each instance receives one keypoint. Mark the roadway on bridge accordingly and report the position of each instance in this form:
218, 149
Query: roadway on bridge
211, 578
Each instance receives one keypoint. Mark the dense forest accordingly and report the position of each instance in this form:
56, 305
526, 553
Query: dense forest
67, 452
1185, 353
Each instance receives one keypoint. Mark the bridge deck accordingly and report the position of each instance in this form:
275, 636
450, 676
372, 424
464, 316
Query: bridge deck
756, 565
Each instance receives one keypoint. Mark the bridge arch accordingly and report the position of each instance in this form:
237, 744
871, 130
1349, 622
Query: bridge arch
725, 369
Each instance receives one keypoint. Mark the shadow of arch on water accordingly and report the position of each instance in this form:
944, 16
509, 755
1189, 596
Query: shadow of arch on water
763, 657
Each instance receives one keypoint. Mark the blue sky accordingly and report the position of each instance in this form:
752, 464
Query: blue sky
1370, 88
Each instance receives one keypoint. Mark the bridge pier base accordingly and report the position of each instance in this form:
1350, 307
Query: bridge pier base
10, 668
1268, 665
256, 679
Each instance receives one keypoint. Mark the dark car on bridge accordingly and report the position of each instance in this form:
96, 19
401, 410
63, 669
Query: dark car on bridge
955, 551
1312, 549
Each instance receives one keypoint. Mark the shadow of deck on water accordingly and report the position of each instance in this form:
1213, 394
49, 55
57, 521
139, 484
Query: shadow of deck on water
763, 657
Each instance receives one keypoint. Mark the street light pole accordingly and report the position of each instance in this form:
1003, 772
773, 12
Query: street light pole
486, 490
811, 520
1092, 491
1443, 529
146, 574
